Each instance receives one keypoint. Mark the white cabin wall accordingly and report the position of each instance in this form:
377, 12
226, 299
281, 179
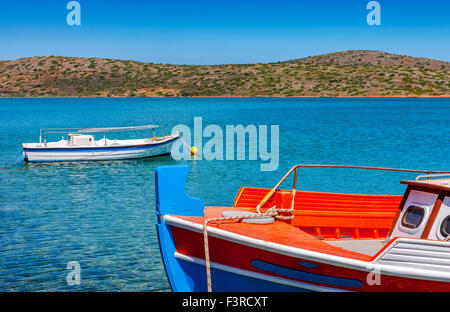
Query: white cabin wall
435, 232
415, 198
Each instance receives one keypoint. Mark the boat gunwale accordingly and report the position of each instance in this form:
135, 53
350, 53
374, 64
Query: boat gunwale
370, 265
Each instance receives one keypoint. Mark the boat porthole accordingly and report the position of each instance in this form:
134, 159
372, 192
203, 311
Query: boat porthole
413, 217
445, 227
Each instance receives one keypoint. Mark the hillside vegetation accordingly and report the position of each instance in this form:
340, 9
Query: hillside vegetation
348, 73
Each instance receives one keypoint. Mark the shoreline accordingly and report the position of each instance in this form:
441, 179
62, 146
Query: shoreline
230, 96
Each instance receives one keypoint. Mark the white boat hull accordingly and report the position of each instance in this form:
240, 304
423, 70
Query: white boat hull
110, 152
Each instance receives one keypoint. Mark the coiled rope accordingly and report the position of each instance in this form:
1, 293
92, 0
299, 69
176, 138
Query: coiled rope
271, 212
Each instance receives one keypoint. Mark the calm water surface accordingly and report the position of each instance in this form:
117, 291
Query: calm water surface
101, 214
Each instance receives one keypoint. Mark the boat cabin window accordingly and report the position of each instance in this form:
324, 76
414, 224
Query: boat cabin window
413, 217
445, 227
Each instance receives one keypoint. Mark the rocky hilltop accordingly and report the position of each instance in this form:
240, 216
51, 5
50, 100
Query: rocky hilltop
347, 73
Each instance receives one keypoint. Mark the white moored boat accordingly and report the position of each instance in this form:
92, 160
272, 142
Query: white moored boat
80, 144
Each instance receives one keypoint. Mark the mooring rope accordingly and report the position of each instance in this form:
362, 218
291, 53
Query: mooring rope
11, 162
193, 150
23, 168
54, 163
184, 143
271, 212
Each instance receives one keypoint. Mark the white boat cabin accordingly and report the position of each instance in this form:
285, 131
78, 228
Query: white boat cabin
424, 211
80, 139
423, 216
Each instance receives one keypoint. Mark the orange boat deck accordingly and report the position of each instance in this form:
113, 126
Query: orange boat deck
328, 215
319, 217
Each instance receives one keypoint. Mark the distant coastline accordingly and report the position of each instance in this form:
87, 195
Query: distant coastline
344, 74
232, 97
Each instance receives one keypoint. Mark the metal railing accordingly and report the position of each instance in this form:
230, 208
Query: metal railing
45, 131
429, 173
428, 176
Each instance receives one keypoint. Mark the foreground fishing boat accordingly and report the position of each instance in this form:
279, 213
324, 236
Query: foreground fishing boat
291, 240
80, 144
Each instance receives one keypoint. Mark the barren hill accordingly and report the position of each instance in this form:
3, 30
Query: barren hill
348, 73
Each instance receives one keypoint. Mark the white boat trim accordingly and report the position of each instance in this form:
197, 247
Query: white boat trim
372, 266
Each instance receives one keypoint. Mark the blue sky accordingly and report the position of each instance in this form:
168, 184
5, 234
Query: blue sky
218, 32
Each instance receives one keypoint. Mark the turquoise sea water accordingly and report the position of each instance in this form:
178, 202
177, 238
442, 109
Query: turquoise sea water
101, 214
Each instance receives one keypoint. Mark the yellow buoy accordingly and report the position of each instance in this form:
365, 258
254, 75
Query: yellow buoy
194, 150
